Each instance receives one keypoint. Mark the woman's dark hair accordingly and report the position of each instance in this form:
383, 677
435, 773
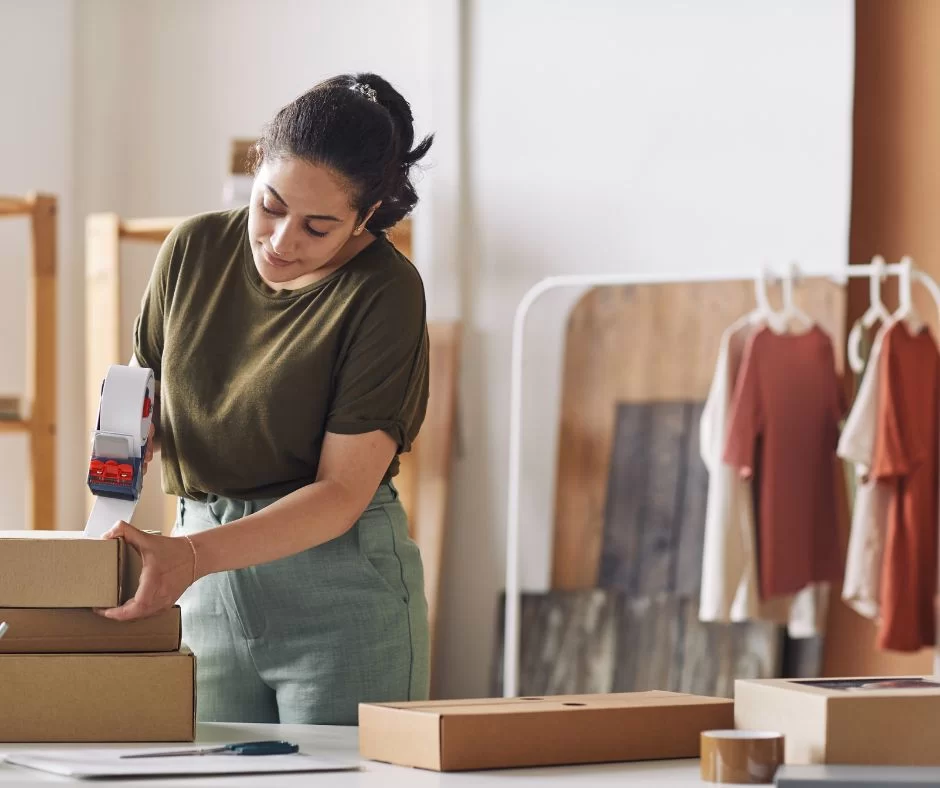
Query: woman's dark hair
361, 127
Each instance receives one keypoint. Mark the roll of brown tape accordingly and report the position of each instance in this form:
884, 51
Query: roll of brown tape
742, 757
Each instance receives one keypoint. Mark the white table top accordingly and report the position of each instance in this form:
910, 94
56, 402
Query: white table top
342, 743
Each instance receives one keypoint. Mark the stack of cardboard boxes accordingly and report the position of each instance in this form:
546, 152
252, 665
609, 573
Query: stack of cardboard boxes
69, 674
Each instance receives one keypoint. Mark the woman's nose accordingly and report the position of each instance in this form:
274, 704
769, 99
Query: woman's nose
282, 241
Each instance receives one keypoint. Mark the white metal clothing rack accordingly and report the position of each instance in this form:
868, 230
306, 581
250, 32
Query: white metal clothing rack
512, 632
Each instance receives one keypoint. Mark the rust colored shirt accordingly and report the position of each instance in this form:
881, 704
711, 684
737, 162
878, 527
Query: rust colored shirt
785, 420
906, 445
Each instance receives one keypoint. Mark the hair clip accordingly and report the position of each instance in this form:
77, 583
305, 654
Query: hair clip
365, 90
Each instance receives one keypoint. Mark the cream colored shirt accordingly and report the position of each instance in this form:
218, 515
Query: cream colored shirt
861, 588
729, 590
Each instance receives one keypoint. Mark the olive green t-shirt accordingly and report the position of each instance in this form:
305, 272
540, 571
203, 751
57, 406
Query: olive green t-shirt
251, 378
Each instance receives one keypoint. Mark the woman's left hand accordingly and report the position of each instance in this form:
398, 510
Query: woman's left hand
167, 571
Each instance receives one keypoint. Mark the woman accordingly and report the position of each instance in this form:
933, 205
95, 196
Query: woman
290, 343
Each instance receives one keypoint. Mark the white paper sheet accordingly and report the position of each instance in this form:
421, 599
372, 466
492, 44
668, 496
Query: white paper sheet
98, 763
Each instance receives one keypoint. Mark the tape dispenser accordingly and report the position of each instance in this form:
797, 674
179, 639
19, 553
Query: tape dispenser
119, 445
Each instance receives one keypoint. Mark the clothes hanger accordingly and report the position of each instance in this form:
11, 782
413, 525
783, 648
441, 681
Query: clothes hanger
876, 311
905, 303
760, 294
790, 310
765, 312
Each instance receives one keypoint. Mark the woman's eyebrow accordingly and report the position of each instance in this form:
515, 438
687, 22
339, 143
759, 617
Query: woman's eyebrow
323, 217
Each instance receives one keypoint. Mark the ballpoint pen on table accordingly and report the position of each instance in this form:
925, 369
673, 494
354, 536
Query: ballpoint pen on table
245, 748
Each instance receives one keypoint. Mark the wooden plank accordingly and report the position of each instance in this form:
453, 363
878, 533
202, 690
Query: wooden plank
155, 230
401, 237
102, 310
41, 360
238, 162
569, 643
12, 426
649, 343
434, 461
15, 206
597, 640
651, 521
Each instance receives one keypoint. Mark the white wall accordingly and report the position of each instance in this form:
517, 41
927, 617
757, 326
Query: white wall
622, 136
36, 119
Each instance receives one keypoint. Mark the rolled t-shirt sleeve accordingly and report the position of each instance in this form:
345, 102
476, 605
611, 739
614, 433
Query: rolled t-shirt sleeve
382, 378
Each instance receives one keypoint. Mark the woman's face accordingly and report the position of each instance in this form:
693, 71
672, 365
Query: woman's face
299, 220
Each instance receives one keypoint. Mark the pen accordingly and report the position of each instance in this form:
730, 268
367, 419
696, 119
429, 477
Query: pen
3, 628
245, 748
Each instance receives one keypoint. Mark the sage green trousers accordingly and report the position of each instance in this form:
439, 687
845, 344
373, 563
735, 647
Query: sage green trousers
306, 638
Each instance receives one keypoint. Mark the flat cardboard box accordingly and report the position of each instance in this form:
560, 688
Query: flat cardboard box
97, 697
883, 721
80, 630
64, 569
550, 731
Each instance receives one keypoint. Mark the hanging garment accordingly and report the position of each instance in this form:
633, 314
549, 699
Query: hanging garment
729, 590
861, 588
905, 457
785, 413
867, 336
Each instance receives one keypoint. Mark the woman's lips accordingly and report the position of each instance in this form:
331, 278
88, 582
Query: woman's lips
275, 261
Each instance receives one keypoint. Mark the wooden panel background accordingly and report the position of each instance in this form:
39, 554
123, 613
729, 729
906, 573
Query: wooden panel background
654, 523
641, 344
601, 640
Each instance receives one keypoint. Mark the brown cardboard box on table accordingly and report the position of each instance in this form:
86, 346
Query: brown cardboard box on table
549, 731
64, 569
881, 720
80, 630
97, 697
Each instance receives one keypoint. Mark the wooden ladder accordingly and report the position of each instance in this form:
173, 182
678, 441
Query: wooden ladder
35, 413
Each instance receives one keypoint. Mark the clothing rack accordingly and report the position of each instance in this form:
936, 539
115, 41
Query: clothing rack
840, 275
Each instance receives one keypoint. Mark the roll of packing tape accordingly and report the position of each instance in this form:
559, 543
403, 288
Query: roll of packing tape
125, 412
741, 757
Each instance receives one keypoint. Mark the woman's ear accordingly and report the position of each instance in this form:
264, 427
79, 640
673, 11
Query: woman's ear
365, 219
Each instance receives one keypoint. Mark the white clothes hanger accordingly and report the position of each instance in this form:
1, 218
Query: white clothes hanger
905, 302
876, 311
790, 310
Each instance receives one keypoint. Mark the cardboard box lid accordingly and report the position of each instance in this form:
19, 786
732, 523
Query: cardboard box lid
553, 703
817, 688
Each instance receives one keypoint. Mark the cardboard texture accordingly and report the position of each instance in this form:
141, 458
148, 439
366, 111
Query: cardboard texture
63, 569
550, 731
79, 630
97, 697
857, 721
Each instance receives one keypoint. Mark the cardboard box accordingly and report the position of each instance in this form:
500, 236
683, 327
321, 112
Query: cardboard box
550, 731
80, 630
97, 697
64, 569
882, 720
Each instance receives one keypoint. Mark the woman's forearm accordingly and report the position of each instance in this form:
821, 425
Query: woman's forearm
306, 518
